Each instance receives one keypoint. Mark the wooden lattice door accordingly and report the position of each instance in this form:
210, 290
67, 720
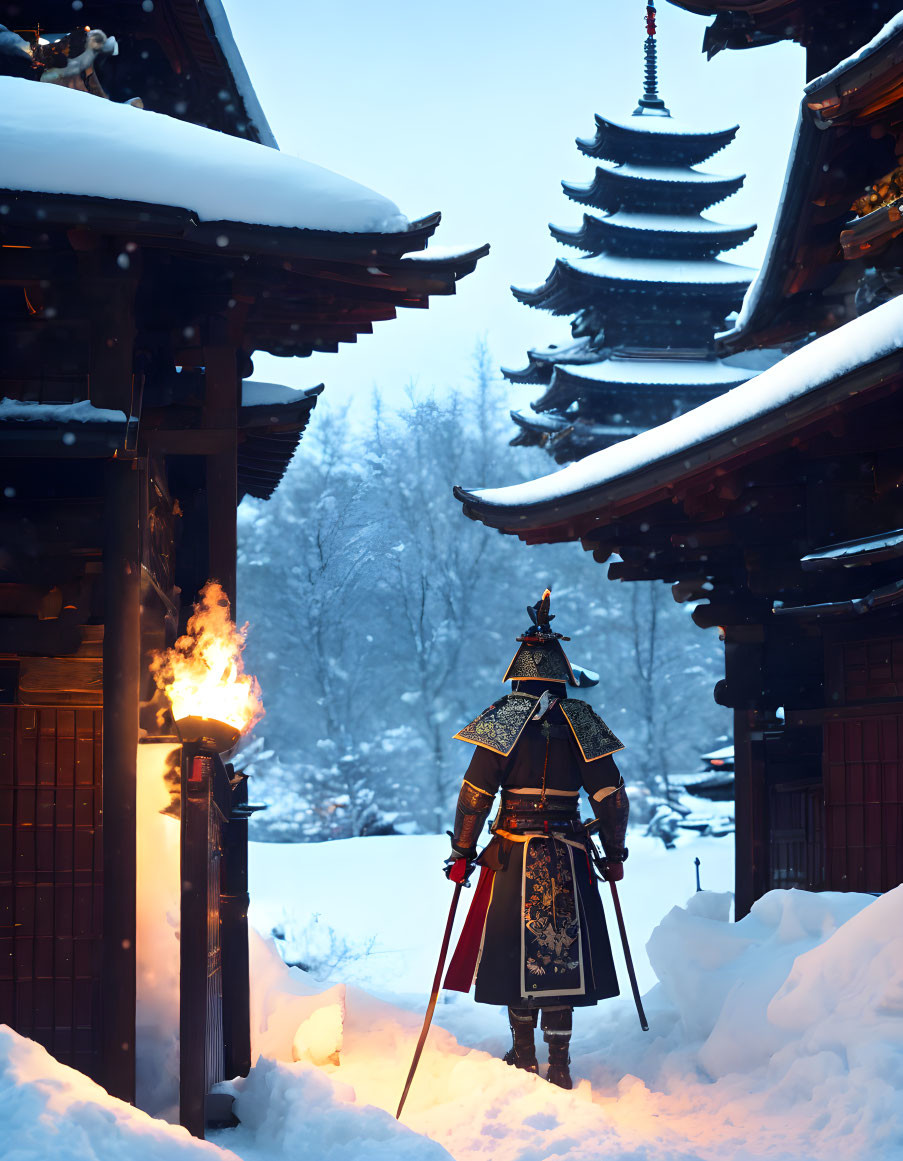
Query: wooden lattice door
51, 879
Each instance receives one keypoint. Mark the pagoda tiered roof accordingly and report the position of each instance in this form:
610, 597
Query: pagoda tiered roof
606, 388
542, 362
648, 291
660, 140
674, 235
575, 281
649, 187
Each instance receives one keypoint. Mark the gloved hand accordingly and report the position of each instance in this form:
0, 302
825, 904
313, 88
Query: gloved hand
459, 866
612, 870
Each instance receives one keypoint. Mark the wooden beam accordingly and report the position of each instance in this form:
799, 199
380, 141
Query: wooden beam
121, 664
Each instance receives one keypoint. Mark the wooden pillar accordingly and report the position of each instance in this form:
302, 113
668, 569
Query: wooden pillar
196, 776
750, 806
221, 412
121, 675
234, 912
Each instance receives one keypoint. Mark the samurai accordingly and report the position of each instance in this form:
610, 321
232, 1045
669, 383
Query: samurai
535, 938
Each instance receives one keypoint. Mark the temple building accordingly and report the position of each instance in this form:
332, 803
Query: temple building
648, 291
777, 508
152, 238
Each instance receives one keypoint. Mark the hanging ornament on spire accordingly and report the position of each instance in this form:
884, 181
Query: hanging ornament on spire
650, 100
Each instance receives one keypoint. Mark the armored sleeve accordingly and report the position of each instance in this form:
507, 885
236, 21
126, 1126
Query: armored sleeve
475, 800
612, 811
470, 816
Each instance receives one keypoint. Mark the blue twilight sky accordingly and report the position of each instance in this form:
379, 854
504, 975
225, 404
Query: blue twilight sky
472, 108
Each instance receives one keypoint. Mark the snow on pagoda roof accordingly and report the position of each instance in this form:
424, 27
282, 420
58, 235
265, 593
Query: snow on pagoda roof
674, 271
893, 26
55, 140
667, 372
684, 174
649, 122
667, 223
861, 341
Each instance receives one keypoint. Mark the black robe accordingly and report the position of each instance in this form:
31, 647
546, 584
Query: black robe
536, 930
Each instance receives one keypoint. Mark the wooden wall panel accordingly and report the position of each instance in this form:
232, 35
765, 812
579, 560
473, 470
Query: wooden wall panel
50, 879
864, 802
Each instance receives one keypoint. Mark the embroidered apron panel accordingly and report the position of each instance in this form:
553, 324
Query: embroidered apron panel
551, 958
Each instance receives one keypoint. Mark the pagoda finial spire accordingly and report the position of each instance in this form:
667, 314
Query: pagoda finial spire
650, 101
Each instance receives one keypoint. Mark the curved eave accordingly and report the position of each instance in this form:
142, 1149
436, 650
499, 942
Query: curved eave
626, 143
597, 234
542, 362
609, 190
567, 387
573, 514
269, 435
322, 288
533, 375
702, 382
540, 425
863, 85
564, 291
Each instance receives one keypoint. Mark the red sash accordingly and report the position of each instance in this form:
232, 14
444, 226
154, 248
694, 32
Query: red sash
463, 966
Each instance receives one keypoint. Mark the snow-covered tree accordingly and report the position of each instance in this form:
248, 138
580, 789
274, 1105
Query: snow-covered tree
382, 621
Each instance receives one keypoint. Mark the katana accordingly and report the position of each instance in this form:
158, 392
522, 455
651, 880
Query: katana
434, 996
628, 958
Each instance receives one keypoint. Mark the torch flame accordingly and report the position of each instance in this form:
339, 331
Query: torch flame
203, 674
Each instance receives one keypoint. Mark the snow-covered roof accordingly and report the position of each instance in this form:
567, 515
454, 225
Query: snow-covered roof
682, 174
256, 393
667, 223
56, 140
650, 122
824, 360
893, 26
757, 288
681, 271
667, 372
442, 254
57, 413
229, 48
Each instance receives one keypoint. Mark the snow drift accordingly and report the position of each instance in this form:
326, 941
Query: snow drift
53, 1111
777, 1037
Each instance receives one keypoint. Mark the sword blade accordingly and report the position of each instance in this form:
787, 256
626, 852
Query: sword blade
434, 996
628, 959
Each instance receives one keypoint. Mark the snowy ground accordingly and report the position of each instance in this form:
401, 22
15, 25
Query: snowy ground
780, 1037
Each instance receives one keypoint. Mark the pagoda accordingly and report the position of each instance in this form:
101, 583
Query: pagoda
648, 291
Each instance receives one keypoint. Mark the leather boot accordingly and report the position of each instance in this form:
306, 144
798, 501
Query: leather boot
559, 1059
522, 1054
556, 1030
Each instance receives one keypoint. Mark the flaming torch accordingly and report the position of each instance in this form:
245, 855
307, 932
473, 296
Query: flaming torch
213, 700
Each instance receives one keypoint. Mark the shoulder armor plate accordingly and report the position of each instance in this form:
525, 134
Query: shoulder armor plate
593, 736
498, 727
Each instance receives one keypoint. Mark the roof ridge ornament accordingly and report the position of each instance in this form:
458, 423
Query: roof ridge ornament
651, 102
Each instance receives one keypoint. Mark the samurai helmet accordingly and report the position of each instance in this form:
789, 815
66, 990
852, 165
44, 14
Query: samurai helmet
541, 656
